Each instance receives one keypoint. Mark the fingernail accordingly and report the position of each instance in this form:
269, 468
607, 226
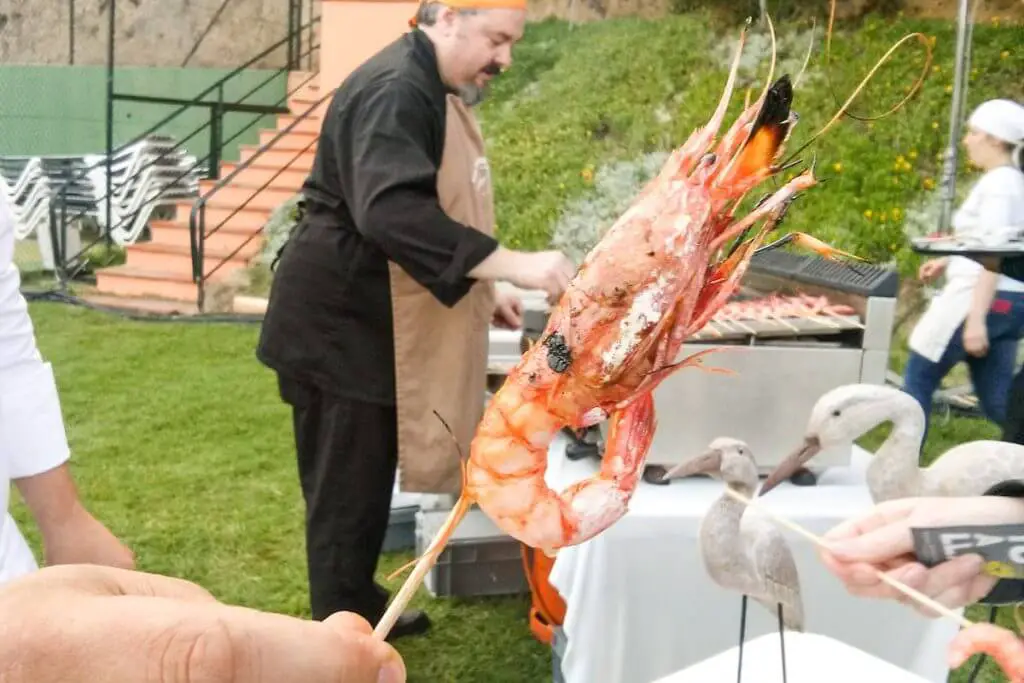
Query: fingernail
391, 673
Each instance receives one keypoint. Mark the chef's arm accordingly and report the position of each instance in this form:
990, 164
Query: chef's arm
389, 165
1006, 591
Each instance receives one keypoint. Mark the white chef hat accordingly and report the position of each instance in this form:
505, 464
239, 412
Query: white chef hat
1003, 119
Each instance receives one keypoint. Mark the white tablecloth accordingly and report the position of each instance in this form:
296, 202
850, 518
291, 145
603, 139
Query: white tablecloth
640, 605
810, 658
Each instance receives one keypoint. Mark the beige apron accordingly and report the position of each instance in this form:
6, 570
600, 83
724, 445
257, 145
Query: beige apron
440, 352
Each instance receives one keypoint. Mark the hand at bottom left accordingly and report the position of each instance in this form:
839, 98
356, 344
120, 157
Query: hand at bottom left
110, 625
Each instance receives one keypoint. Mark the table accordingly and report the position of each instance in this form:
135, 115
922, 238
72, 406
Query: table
810, 658
640, 605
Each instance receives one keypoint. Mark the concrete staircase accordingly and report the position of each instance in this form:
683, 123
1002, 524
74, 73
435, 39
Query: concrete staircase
157, 275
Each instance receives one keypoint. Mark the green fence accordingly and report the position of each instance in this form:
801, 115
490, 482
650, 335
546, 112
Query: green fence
62, 109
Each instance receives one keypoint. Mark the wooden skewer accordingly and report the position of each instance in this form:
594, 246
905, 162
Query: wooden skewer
898, 585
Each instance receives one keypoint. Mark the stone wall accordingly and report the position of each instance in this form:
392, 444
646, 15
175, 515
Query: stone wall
148, 32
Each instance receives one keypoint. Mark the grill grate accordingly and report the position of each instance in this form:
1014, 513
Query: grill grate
866, 280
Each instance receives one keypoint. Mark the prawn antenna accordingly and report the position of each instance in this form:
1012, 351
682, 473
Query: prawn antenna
458, 448
844, 109
423, 564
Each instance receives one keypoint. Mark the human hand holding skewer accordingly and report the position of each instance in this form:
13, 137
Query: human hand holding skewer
1004, 646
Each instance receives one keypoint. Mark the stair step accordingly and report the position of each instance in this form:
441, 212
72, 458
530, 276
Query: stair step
247, 218
310, 124
229, 237
236, 194
277, 157
129, 281
176, 258
291, 141
298, 77
258, 174
142, 304
299, 104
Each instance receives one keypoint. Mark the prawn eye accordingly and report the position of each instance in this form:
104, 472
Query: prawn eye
559, 356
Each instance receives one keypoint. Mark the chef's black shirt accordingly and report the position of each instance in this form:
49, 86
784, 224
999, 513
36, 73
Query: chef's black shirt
371, 196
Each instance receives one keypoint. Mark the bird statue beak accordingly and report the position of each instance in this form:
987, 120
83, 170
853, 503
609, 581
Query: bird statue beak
702, 464
810, 448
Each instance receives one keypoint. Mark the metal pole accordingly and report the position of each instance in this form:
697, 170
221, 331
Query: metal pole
71, 32
956, 114
110, 110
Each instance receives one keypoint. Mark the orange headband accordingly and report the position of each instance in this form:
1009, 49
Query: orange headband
478, 4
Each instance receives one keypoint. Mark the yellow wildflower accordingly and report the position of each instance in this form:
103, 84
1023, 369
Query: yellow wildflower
837, 167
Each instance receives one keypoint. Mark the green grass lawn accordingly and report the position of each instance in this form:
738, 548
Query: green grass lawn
183, 447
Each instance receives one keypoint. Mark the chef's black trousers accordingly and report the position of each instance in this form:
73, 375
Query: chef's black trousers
347, 454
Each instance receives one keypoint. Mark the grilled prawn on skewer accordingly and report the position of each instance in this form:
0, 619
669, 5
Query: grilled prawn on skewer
656, 277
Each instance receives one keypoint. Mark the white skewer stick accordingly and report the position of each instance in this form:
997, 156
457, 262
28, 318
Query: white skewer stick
898, 585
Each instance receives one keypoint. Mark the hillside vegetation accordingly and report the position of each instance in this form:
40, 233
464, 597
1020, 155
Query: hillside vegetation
587, 112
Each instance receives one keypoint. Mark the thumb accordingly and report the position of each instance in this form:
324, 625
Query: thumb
874, 546
378, 653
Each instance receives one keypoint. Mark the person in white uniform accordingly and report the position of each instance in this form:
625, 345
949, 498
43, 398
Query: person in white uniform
978, 316
34, 450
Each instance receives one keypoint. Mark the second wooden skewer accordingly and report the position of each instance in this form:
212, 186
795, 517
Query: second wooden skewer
898, 585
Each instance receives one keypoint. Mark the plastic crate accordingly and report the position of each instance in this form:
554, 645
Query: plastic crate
401, 533
479, 559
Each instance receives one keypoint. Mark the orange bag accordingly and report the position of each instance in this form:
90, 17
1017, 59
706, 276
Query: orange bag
547, 609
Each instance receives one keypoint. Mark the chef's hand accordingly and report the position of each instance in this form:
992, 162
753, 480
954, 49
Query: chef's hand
881, 541
932, 269
508, 311
975, 337
89, 623
547, 270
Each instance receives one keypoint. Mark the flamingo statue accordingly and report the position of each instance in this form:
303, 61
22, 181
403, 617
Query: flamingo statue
846, 413
745, 552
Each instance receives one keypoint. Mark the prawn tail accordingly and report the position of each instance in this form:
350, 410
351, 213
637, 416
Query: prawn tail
1002, 644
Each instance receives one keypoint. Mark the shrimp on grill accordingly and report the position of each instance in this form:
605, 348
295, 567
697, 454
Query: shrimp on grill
657, 276
1001, 644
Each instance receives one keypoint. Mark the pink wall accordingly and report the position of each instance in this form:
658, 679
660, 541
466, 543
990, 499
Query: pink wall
353, 30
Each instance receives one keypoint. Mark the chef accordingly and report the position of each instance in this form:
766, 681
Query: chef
33, 447
382, 298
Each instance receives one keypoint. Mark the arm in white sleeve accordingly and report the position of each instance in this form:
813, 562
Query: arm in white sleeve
32, 427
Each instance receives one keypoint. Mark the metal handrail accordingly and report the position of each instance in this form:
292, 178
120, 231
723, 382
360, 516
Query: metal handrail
197, 217
216, 108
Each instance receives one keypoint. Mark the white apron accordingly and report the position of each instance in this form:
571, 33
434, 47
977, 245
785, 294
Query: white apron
949, 308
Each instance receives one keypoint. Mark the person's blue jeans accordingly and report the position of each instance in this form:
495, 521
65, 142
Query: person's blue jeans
991, 374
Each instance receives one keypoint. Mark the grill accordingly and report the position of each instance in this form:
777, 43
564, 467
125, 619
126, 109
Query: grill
799, 326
